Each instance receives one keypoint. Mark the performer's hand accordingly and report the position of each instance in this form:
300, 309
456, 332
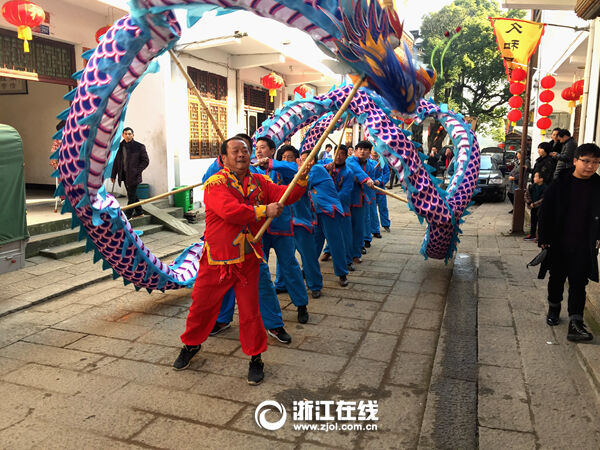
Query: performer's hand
370, 183
262, 161
112, 180
274, 209
304, 172
328, 166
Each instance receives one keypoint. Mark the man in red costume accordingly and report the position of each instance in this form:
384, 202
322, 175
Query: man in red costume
237, 203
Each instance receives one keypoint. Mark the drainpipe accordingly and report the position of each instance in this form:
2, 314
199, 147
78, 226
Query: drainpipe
591, 82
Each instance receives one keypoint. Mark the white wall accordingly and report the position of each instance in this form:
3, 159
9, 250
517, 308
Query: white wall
34, 117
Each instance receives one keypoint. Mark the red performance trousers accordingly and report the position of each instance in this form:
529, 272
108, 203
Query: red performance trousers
212, 282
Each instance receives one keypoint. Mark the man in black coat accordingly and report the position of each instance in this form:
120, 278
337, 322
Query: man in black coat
128, 165
567, 153
569, 226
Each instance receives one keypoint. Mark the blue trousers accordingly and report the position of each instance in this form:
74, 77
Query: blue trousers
384, 213
291, 275
270, 310
368, 214
347, 232
305, 244
330, 228
358, 216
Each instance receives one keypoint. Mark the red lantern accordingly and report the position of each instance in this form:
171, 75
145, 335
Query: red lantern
272, 82
545, 109
302, 90
101, 32
544, 123
25, 15
567, 94
512, 147
515, 102
546, 96
518, 75
577, 88
515, 115
516, 88
501, 145
548, 82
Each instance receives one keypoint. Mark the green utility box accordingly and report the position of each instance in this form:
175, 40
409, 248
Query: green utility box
143, 191
183, 199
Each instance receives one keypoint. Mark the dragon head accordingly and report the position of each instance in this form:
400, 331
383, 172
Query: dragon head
371, 44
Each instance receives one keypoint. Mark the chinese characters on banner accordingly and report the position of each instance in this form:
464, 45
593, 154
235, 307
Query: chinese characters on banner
517, 40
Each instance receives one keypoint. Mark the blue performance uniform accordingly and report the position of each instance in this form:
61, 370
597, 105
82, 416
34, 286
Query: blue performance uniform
280, 235
361, 198
330, 217
304, 220
270, 310
381, 200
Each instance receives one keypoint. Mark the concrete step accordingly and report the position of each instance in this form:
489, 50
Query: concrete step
77, 247
65, 236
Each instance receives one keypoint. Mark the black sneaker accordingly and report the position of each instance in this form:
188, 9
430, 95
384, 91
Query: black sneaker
377, 235
351, 267
357, 260
343, 281
315, 294
185, 356
367, 244
303, 313
219, 328
387, 229
255, 370
325, 256
281, 290
280, 334
553, 316
363, 251
578, 332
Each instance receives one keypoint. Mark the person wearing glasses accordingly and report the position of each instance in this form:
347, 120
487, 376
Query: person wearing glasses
569, 226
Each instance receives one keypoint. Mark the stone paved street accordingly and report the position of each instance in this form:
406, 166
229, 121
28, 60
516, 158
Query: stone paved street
457, 356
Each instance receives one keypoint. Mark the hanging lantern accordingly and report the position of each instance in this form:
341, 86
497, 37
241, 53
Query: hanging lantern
516, 88
272, 82
25, 15
577, 89
570, 96
546, 96
501, 145
543, 124
548, 82
511, 148
518, 74
515, 115
302, 90
101, 32
545, 109
515, 102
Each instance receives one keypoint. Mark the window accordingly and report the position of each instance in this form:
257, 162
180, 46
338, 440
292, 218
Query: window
53, 61
257, 98
204, 139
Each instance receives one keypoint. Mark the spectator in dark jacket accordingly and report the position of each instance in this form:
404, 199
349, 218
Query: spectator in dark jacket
434, 160
128, 166
569, 226
533, 199
555, 142
544, 165
567, 153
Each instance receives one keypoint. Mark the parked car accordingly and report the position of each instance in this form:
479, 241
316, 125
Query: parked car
499, 156
491, 184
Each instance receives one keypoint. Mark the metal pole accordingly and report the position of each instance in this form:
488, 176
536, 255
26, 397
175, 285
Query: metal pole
519, 199
313, 153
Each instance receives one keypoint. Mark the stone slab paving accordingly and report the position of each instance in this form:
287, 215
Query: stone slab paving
91, 367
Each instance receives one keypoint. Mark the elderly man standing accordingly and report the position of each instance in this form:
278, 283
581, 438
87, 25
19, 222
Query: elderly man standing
237, 203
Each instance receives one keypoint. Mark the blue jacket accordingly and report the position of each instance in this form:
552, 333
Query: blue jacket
361, 194
343, 179
282, 173
322, 192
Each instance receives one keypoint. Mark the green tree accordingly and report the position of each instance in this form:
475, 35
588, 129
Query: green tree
474, 81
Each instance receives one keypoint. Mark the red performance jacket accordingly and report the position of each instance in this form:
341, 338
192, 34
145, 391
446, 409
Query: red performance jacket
235, 211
